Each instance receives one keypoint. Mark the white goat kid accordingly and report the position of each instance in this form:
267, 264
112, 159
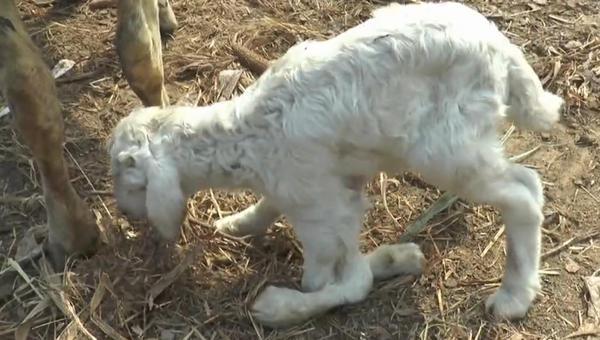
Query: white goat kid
416, 87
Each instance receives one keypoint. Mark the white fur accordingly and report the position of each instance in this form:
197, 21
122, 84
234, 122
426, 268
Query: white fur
417, 87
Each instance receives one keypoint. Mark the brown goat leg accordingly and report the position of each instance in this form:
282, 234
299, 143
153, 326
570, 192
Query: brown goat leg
166, 16
29, 88
139, 49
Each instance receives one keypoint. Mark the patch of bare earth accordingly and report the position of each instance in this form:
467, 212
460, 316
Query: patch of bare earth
126, 292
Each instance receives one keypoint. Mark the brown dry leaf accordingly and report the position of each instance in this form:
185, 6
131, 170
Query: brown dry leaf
516, 336
137, 330
165, 281
167, 334
585, 330
99, 293
29, 243
108, 330
592, 283
60, 299
228, 80
22, 331
571, 266
40, 307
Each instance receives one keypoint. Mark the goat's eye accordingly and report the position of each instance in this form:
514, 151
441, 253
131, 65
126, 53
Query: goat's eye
235, 166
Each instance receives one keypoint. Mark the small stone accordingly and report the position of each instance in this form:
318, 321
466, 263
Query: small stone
573, 44
450, 283
545, 136
572, 266
166, 334
586, 140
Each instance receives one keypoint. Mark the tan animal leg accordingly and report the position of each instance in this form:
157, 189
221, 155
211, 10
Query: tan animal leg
166, 16
28, 86
140, 51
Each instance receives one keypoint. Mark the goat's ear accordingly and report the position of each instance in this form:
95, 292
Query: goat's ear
165, 201
126, 159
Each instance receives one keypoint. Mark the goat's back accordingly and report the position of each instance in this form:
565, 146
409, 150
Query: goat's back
426, 77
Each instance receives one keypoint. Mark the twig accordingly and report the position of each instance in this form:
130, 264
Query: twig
589, 193
446, 200
215, 203
60, 299
572, 240
492, 242
88, 180
99, 193
383, 189
252, 61
77, 77
25, 277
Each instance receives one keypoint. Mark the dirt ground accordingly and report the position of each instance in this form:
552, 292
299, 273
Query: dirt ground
108, 293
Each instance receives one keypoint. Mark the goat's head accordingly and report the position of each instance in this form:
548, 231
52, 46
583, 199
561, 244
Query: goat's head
146, 185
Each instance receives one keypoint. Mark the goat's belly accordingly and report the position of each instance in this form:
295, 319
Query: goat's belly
366, 163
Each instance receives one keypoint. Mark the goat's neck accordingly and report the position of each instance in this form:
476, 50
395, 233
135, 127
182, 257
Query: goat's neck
218, 151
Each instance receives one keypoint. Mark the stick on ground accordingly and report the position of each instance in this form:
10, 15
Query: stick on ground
252, 61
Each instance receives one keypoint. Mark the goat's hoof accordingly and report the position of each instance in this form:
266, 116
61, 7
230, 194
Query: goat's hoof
279, 307
507, 305
227, 225
396, 259
236, 225
57, 255
407, 258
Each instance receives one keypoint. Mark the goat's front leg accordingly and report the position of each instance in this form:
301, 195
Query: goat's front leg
166, 16
335, 272
251, 221
30, 91
139, 49
323, 249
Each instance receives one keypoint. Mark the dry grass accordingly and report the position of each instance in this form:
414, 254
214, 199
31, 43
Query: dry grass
201, 287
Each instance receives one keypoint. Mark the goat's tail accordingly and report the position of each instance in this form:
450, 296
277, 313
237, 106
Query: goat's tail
530, 106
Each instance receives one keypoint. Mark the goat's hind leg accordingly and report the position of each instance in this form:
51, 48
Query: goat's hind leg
487, 177
251, 221
519, 196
